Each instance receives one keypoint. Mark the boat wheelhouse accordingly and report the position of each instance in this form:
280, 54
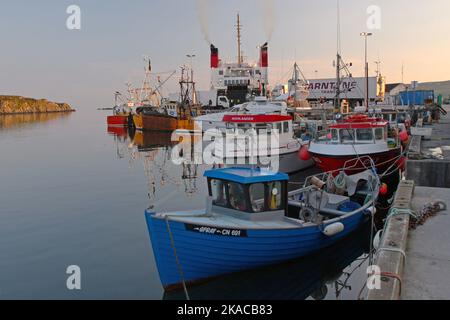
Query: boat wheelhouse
264, 140
357, 136
251, 220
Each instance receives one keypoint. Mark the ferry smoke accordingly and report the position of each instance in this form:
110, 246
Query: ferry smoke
269, 18
203, 17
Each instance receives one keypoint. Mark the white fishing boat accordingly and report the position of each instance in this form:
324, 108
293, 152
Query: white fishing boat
261, 140
259, 106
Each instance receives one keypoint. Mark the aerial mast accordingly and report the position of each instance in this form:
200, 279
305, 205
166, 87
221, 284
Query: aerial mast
338, 59
239, 29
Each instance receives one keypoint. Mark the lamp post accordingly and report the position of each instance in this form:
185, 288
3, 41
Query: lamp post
366, 35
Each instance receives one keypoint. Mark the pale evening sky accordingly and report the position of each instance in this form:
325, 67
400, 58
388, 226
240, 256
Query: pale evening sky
40, 57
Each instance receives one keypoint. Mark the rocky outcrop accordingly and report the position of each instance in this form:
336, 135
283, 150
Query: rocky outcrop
21, 105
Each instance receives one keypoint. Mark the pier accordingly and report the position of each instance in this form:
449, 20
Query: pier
413, 257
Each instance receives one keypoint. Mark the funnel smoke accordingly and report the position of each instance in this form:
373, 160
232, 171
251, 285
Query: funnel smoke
203, 17
269, 18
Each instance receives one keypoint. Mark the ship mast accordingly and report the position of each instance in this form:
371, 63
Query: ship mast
239, 29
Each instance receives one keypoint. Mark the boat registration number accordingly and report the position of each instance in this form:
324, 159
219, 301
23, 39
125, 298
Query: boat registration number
217, 231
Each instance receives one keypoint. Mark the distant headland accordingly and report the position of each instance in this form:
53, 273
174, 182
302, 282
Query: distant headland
22, 105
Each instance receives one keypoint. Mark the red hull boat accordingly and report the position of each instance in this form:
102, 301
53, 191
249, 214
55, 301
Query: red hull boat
358, 136
118, 121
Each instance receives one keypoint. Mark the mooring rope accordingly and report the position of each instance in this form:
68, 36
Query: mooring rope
180, 269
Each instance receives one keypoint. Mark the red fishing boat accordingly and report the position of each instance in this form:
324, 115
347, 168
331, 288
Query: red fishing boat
122, 117
355, 137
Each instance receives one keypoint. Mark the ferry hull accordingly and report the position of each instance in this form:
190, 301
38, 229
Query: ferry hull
201, 255
382, 160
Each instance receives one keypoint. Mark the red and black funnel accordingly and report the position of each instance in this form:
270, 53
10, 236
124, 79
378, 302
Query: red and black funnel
214, 57
264, 59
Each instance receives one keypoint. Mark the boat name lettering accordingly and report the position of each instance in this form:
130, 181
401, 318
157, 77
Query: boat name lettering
217, 231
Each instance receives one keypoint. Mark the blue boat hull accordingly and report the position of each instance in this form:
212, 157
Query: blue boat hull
202, 256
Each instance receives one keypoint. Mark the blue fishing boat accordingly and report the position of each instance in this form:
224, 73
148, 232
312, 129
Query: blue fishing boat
251, 220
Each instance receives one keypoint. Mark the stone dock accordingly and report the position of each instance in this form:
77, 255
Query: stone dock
415, 263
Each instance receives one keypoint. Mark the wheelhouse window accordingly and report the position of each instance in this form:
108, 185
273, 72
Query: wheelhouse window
279, 127
257, 196
334, 135
347, 135
275, 195
218, 193
237, 197
365, 135
379, 134
286, 127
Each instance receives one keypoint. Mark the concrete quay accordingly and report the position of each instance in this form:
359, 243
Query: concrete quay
415, 264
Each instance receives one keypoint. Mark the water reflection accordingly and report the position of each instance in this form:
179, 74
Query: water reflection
23, 120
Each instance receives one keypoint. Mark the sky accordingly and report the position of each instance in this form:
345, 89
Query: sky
41, 58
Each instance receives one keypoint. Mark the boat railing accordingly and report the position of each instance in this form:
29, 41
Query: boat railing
350, 165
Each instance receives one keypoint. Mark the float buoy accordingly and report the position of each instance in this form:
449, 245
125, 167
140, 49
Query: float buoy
404, 136
384, 189
334, 229
304, 153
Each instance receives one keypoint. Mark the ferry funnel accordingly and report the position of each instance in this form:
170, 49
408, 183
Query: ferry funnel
264, 58
214, 57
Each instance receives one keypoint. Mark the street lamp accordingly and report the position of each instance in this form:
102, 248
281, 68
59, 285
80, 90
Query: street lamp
366, 35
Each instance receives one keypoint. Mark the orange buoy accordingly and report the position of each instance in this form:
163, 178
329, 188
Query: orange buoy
384, 189
404, 136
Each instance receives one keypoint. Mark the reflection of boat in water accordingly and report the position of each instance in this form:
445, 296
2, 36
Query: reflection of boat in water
251, 221
315, 276
149, 140
119, 131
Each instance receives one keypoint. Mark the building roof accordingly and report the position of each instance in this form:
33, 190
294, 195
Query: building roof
246, 175
392, 86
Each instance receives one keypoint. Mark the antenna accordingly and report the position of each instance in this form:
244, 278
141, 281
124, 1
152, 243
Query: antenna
403, 72
239, 29
338, 59
338, 27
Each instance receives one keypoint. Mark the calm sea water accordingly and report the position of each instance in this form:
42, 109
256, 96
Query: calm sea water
73, 194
